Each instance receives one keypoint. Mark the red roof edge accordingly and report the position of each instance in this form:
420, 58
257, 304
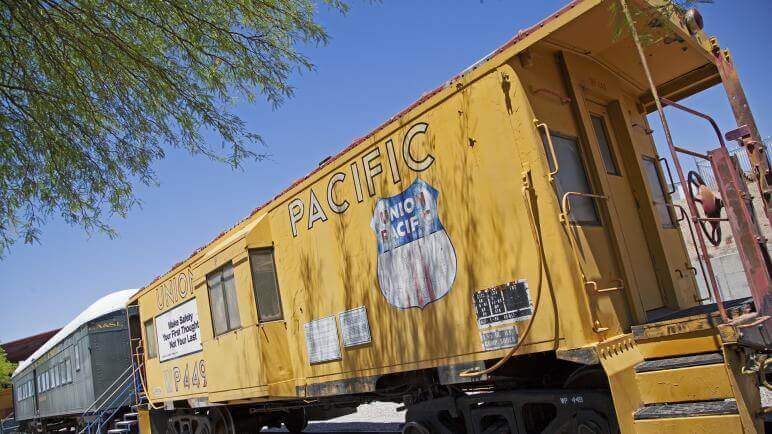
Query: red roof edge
21, 349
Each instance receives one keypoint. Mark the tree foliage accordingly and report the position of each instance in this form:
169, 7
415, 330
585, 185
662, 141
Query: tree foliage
6, 369
646, 12
93, 91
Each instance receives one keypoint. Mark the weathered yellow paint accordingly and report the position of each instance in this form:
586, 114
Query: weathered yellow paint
143, 417
691, 425
476, 144
705, 341
697, 383
619, 356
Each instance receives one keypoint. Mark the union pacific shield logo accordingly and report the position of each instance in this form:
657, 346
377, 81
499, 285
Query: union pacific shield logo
416, 260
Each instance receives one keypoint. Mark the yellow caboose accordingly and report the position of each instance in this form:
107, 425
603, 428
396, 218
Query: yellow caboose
500, 256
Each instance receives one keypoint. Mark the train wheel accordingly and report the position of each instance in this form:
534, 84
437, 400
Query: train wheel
217, 420
415, 428
221, 420
296, 421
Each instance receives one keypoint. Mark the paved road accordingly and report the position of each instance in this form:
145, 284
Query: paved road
376, 418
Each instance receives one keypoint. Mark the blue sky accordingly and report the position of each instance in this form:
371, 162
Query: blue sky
381, 58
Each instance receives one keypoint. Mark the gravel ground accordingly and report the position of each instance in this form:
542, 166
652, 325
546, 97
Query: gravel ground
383, 417
375, 418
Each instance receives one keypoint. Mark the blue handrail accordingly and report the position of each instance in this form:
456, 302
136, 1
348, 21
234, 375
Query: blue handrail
4, 422
123, 394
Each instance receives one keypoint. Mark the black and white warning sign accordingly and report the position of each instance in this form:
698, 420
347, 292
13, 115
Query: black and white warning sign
178, 331
354, 327
503, 304
499, 338
322, 340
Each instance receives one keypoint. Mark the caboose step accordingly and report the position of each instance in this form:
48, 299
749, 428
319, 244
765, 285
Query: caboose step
118, 431
680, 362
126, 423
687, 409
683, 379
712, 417
130, 415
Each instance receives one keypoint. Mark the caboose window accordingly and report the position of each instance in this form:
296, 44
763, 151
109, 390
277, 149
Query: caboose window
150, 339
265, 285
604, 141
658, 192
572, 177
222, 300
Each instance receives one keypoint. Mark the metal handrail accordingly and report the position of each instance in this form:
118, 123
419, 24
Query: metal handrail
685, 217
699, 114
111, 398
539, 124
669, 175
6, 419
118, 404
565, 217
118, 401
565, 205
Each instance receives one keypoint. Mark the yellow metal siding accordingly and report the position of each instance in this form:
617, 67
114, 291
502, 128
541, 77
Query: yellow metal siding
483, 145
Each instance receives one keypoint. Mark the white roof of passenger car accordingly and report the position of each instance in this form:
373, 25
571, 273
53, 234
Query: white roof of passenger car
107, 304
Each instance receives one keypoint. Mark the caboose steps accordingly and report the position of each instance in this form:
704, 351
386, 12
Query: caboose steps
682, 391
125, 423
711, 417
682, 379
680, 362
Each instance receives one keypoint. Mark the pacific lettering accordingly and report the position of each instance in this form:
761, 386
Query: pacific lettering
372, 166
338, 208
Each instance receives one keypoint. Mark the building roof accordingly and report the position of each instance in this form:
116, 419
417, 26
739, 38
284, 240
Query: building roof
20, 349
109, 303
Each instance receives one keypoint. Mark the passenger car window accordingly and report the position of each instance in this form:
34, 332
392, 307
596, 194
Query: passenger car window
77, 357
658, 192
222, 300
265, 285
572, 176
150, 338
68, 369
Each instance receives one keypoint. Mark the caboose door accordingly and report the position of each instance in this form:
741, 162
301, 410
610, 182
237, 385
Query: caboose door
624, 204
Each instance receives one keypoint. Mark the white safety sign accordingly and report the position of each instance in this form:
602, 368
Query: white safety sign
178, 331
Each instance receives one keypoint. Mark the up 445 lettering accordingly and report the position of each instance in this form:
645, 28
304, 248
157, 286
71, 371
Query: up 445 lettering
190, 376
